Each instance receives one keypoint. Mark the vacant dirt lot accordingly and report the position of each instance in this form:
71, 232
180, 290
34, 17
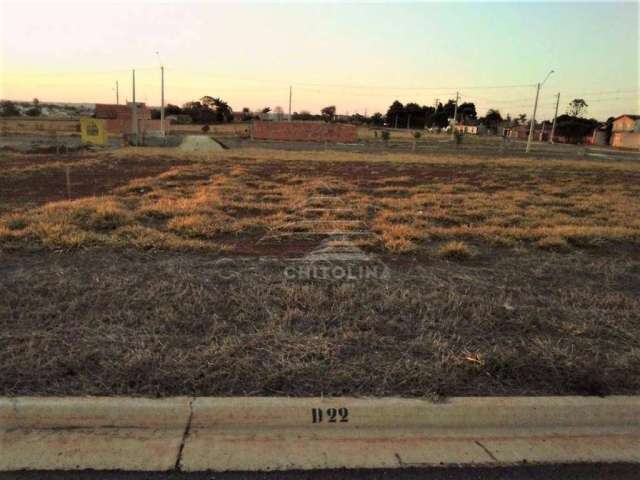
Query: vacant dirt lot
156, 273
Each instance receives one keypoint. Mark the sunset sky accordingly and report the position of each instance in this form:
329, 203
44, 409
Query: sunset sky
356, 56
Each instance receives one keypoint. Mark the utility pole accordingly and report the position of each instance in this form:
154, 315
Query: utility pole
134, 109
455, 115
532, 123
117, 94
532, 126
555, 117
162, 100
290, 94
408, 121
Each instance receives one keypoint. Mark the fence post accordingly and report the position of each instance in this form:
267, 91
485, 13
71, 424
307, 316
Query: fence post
67, 172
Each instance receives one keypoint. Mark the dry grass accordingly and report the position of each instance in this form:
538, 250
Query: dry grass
42, 126
455, 250
553, 243
99, 322
115, 319
407, 201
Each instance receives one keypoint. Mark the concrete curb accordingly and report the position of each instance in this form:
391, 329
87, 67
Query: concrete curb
224, 434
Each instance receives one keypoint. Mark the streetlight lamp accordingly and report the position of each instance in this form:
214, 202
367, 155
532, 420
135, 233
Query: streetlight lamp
161, 95
532, 125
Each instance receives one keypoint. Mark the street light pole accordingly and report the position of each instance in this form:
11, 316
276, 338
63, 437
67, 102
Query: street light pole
134, 109
532, 126
162, 132
162, 100
455, 117
555, 118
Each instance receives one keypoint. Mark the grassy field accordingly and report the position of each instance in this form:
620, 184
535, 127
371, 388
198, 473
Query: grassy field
220, 201
506, 276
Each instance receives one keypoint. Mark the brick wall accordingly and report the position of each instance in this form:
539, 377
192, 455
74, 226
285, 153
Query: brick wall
305, 132
122, 125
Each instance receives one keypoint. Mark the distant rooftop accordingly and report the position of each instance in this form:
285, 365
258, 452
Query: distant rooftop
633, 117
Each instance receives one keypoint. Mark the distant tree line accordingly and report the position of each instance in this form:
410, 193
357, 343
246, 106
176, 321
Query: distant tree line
572, 125
205, 110
10, 109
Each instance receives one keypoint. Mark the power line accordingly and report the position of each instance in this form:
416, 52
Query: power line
74, 72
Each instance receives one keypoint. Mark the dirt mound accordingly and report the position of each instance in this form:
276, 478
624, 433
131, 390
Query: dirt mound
192, 143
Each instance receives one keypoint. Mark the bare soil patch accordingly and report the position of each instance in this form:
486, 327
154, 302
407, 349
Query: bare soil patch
35, 180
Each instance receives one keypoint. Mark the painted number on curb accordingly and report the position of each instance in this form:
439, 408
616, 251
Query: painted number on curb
330, 415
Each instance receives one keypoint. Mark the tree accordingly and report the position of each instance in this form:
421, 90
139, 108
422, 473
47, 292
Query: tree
466, 111
266, 110
522, 119
328, 113
577, 107
8, 109
395, 115
172, 110
441, 114
609, 129
199, 113
246, 114
414, 116
36, 110
574, 128
358, 119
304, 115
492, 119
222, 110
377, 119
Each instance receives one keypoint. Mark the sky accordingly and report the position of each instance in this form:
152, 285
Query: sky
359, 57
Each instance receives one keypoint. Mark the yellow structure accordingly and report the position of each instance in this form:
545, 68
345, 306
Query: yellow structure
93, 130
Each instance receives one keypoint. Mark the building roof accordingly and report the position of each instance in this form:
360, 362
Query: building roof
632, 117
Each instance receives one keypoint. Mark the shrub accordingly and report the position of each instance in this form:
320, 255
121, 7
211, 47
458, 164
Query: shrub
9, 109
205, 128
455, 250
385, 135
417, 134
558, 244
34, 112
183, 119
16, 223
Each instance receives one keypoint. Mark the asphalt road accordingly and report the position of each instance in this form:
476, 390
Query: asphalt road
525, 472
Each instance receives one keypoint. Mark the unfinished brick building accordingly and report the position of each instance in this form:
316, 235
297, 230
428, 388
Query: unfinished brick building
119, 118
